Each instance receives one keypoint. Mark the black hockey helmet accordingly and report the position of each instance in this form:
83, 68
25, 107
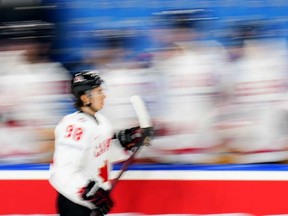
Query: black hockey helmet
84, 81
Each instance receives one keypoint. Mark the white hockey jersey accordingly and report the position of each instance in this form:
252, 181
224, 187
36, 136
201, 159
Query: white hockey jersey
190, 88
82, 144
33, 99
255, 123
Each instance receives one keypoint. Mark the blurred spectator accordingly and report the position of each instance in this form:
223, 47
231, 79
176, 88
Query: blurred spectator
190, 67
255, 122
32, 87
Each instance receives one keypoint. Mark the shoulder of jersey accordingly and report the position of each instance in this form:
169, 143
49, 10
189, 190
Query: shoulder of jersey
76, 118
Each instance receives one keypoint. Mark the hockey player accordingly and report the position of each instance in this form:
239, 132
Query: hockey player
255, 122
82, 143
190, 90
32, 80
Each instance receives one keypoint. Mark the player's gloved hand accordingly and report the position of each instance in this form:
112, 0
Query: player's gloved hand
134, 137
99, 197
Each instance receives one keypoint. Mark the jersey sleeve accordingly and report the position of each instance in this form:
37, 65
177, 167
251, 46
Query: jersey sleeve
71, 142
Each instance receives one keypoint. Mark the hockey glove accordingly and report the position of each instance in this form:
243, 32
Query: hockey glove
130, 138
98, 196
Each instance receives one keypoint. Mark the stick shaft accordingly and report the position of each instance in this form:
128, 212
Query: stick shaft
124, 168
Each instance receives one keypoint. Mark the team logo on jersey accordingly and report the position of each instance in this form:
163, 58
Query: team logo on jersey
103, 171
102, 147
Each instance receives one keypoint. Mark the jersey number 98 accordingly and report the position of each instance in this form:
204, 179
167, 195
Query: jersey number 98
73, 132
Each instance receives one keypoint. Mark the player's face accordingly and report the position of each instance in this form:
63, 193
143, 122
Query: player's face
97, 97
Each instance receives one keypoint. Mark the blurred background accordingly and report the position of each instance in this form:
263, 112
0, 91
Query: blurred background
213, 73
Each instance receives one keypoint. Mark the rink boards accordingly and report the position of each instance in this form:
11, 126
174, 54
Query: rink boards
161, 189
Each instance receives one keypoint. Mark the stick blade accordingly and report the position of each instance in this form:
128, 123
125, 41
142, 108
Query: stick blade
141, 111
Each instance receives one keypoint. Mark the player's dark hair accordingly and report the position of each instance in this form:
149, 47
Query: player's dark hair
78, 103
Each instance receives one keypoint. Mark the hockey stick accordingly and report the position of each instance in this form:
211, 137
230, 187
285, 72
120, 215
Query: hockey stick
124, 168
126, 164
146, 125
